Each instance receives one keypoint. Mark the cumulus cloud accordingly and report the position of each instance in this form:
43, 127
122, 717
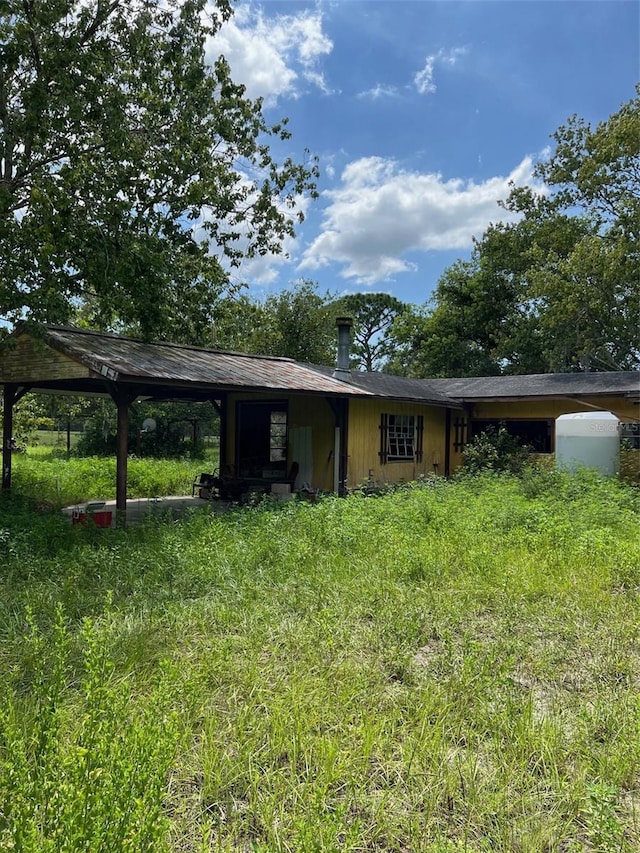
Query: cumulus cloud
423, 80
381, 212
273, 57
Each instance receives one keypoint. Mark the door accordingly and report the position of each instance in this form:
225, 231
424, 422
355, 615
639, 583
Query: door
261, 443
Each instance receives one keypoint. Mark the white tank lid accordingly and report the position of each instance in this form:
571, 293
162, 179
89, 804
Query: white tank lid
588, 424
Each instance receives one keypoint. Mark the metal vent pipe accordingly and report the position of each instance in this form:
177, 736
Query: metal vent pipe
344, 325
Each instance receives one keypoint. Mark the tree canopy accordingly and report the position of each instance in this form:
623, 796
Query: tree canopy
373, 315
132, 174
297, 322
557, 289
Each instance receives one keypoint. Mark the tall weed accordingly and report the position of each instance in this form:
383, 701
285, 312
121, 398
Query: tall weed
82, 765
450, 667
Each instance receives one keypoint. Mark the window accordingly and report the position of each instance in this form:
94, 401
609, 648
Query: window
401, 438
261, 438
536, 433
278, 437
630, 435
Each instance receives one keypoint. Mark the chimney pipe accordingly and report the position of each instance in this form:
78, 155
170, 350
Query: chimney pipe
342, 370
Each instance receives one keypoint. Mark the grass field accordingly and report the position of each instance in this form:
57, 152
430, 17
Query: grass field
46, 476
448, 668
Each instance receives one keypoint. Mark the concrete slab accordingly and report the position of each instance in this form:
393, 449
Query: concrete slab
104, 512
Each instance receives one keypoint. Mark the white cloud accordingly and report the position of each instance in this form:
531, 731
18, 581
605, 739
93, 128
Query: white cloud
379, 91
273, 57
381, 212
423, 80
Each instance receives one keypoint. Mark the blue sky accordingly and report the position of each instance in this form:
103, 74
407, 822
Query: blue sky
420, 114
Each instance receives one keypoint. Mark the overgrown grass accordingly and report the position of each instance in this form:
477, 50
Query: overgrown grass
46, 476
449, 668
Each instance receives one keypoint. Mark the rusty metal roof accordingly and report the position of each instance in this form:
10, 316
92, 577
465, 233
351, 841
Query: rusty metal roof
123, 359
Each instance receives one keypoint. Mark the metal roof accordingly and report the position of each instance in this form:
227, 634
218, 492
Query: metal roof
128, 360
168, 368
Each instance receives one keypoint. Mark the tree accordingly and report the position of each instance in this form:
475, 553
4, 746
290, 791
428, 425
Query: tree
131, 173
590, 298
297, 323
557, 289
373, 315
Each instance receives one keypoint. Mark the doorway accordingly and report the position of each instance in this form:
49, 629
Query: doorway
262, 436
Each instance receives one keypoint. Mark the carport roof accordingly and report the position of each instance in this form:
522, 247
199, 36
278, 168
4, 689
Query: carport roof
160, 369
71, 360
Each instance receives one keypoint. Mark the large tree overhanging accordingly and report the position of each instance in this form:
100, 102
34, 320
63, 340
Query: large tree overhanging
115, 137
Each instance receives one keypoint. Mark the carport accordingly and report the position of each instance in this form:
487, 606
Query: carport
62, 360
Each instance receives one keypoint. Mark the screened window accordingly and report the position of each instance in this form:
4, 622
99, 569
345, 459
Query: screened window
401, 438
630, 435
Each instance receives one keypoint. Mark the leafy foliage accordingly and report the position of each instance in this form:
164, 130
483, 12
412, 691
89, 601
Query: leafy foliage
130, 168
495, 450
373, 315
452, 666
298, 323
91, 780
555, 290
177, 431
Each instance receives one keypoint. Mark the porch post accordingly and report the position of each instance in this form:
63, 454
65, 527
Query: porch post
221, 409
123, 399
122, 452
447, 444
340, 408
7, 433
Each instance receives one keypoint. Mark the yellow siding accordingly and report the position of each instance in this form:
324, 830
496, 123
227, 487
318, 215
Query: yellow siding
364, 442
316, 413
624, 409
621, 408
31, 360
312, 412
364, 432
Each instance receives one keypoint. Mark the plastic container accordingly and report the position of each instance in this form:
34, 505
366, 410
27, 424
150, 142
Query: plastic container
588, 440
94, 513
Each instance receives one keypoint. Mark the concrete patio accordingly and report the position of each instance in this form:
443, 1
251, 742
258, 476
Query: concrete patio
103, 513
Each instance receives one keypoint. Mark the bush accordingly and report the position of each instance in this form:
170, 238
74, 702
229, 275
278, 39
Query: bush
496, 450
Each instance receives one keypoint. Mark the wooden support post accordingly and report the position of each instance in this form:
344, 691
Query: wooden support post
340, 409
344, 444
447, 443
122, 454
122, 397
12, 394
221, 408
7, 434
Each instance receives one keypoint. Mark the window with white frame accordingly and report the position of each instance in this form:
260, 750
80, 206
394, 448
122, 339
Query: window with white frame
401, 438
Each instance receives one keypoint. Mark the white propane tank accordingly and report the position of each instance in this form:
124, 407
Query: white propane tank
590, 440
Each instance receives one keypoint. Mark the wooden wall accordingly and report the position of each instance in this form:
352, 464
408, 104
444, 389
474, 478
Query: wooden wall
304, 411
31, 360
622, 408
364, 442
364, 432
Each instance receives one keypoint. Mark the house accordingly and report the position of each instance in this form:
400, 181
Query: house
341, 427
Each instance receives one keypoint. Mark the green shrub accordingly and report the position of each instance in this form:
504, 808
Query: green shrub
496, 450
